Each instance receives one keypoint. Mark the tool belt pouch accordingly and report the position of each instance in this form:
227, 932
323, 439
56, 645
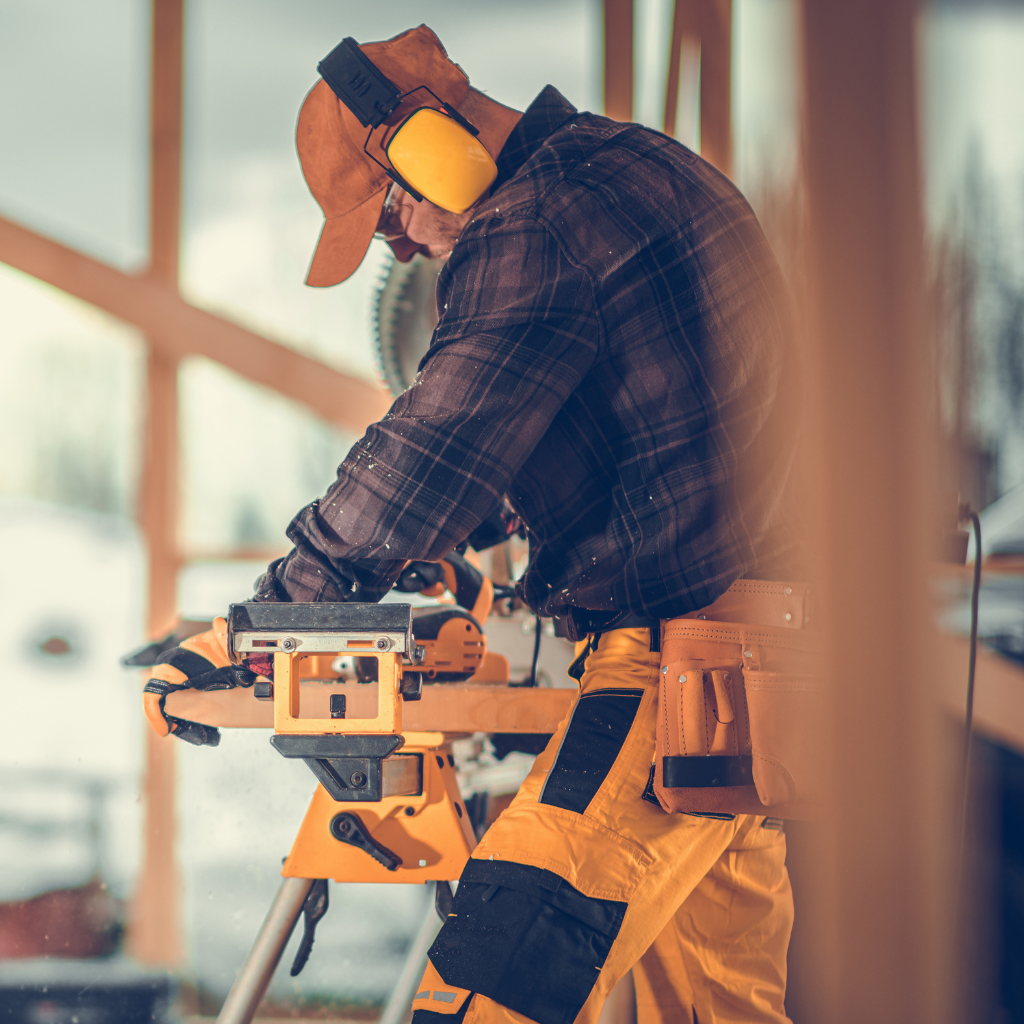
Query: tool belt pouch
741, 720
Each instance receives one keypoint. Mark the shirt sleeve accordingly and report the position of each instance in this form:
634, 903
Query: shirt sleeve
518, 332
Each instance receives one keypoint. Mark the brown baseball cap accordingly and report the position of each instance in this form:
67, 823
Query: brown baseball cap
347, 184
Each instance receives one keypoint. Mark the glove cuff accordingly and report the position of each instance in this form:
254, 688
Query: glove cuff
161, 687
194, 732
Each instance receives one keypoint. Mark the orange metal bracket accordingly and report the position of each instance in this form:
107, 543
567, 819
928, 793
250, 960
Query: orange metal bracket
431, 832
287, 699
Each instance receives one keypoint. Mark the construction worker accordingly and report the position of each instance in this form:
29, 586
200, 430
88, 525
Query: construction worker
613, 356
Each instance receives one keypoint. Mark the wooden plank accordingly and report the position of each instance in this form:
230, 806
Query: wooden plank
458, 707
155, 930
716, 83
618, 59
709, 24
444, 707
165, 130
179, 329
878, 897
685, 25
158, 499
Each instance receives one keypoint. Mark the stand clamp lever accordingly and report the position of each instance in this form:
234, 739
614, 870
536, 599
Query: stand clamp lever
312, 910
347, 828
443, 900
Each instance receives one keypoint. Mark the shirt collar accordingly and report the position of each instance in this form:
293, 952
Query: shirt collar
544, 116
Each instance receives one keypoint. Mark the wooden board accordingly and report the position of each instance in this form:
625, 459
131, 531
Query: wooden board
460, 707
445, 707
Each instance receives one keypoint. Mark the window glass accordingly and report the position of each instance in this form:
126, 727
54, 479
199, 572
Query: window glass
250, 459
765, 104
973, 155
74, 123
72, 606
70, 392
652, 34
766, 84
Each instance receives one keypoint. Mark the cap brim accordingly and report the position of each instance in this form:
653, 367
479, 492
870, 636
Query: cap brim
343, 243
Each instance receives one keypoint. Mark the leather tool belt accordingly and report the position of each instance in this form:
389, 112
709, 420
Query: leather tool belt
741, 717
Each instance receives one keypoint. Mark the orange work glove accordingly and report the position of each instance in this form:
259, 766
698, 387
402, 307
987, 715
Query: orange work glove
200, 663
467, 584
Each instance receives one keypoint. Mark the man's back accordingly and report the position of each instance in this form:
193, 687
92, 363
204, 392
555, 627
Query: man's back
651, 487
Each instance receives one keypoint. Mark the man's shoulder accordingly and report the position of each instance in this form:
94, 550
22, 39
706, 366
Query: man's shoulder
605, 188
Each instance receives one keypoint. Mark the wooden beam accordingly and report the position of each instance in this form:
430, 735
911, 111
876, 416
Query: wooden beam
165, 129
155, 932
156, 936
468, 707
685, 24
882, 890
179, 329
618, 59
709, 24
444, 707
716, 83
158, 498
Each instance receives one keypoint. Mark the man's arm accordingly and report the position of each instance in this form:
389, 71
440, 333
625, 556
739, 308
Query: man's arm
518, 332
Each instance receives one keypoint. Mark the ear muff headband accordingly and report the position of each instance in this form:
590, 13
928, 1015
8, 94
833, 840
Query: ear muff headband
433, 155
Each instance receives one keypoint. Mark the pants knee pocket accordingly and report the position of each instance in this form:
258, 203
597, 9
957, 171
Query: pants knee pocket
527, 939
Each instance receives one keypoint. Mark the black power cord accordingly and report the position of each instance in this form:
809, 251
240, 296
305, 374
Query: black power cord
532, 681
975, 592
966, 512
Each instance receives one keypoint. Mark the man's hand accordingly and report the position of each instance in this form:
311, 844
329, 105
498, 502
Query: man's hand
200, 663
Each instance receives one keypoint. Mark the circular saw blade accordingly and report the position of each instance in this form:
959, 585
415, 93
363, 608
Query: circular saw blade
405, 314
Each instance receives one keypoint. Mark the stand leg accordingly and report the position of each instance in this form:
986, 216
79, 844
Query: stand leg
415, 962
254, 977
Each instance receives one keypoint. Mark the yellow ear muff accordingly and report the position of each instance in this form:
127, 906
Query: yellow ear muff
441, 160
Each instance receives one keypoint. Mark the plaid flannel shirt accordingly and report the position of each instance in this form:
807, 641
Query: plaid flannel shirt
613, 354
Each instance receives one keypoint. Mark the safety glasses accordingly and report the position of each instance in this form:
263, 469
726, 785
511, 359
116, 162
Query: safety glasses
394, 216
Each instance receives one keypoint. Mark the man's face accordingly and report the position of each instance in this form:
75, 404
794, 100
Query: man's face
410, 227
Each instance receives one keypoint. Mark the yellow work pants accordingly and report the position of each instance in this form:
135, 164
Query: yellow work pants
583, 878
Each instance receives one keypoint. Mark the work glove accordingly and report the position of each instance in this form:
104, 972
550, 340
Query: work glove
466, 583
200, 663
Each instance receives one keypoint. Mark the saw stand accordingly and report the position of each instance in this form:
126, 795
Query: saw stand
388, 807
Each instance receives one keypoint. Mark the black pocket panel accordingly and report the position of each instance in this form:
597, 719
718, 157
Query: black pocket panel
430, 1017
525, 938
599, 727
